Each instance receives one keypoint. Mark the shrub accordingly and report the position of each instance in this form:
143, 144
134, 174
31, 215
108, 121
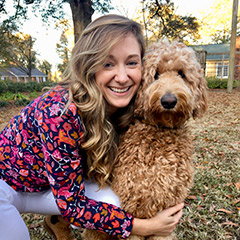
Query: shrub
3, 103
8, 96
22, 102
13, 91
3, 87
33, 94
14, 87
214, 83
18, 99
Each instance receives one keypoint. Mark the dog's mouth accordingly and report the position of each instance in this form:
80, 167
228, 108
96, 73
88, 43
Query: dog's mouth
168, 119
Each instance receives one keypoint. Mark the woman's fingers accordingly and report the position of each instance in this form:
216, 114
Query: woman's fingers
174, 210
161, 225
173, 214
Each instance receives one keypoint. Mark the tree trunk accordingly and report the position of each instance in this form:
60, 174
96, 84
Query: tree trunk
82, 12
29, 57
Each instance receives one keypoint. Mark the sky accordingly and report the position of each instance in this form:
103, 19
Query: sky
46, 38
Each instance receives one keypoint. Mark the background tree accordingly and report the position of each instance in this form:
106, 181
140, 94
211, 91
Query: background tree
216, 23
82, 11
64, 52
19, 52
45, 67
160, 20
5, 46
66, 44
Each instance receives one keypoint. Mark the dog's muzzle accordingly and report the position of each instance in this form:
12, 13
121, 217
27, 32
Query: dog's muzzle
169, 101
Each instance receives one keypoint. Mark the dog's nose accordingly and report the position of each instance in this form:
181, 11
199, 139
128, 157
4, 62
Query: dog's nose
168, 101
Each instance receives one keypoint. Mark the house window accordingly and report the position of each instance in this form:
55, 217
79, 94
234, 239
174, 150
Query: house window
225, 71
222, 70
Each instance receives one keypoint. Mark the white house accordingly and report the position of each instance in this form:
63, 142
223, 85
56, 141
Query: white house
217, 59
17, 74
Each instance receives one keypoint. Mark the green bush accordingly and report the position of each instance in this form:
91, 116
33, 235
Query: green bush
19, 99
214, 83
13, 91
22, 102
8, 96
14, 87
3, 86
33, 94
3, 103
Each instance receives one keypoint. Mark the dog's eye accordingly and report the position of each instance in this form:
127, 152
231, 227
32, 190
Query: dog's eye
180, 73
156, 75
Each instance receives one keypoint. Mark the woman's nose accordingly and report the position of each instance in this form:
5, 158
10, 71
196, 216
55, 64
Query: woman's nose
121, 75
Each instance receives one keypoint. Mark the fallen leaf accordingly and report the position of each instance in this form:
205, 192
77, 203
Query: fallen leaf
237, 185
35, 225
191, 197
231, 224
229, 236
211, 208
235, 202
199, 207
206, 188
224, 210
204, 221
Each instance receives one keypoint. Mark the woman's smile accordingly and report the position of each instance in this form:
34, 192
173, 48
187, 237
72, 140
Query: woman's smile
119, 90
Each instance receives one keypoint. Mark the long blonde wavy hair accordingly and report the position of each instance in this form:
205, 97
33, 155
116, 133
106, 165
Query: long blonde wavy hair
101, 132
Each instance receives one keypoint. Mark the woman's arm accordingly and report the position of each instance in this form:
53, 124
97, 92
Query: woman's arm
162, 224
61, 137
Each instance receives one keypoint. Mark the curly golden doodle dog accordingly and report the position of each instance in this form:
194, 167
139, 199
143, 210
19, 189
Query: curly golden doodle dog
154, 169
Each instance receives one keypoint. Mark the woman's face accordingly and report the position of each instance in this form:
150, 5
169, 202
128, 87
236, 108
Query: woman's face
120, 76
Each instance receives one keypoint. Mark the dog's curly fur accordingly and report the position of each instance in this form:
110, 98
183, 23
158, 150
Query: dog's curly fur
154, 169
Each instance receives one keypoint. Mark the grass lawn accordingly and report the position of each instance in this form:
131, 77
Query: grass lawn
212, 209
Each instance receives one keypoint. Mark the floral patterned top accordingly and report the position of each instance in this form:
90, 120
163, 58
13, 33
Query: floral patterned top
40, 148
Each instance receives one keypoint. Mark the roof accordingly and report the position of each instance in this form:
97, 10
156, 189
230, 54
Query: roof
19, 72
219, 49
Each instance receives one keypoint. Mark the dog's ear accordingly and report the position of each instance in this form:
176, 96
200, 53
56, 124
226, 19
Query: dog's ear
201, 99
150, 64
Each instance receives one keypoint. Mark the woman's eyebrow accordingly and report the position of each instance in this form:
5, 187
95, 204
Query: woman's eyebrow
111, 57
129, 56
134, 55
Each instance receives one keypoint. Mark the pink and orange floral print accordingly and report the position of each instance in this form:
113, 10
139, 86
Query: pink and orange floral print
40, 148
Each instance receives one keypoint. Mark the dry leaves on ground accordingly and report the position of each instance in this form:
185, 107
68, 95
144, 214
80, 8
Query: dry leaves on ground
212, 210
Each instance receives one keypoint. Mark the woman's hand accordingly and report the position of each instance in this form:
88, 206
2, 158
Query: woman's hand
162, 224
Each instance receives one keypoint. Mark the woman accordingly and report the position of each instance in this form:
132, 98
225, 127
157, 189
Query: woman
70, 134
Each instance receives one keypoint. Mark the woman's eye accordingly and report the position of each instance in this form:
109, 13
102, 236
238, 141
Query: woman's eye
132, 63
107, 65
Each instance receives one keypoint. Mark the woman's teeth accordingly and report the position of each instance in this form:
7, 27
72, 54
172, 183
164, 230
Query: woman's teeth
119, 90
